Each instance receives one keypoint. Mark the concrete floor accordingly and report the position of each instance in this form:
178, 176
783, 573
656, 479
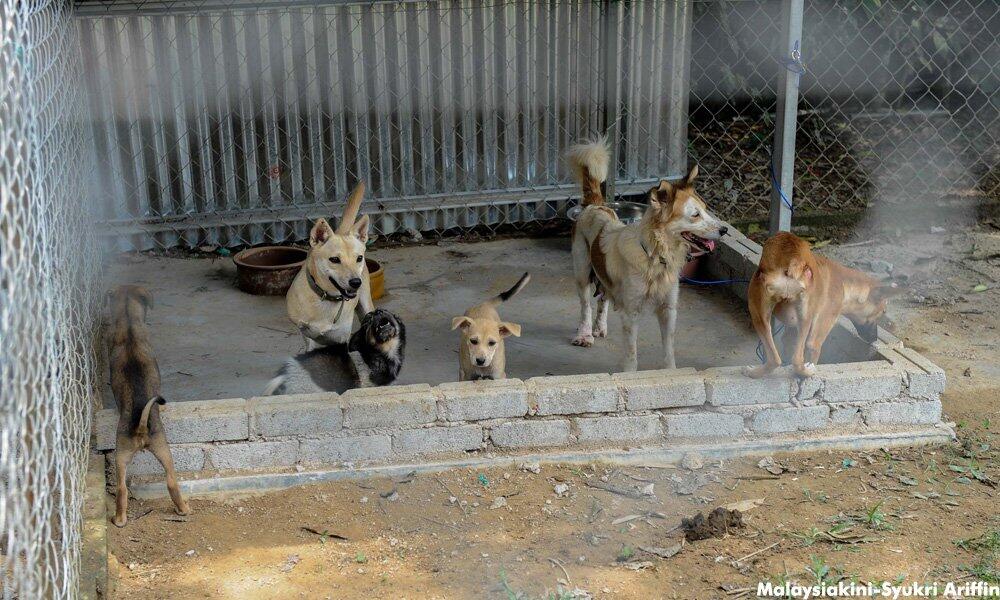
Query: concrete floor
214, 341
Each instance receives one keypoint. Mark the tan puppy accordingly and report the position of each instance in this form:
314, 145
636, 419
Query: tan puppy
634, 266
135, 381
334, 281
808, 293
481, 350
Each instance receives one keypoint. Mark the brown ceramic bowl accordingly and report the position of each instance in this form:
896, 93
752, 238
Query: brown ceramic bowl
268, 270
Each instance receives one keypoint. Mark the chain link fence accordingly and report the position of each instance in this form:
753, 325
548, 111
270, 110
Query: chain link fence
236, 123
897, 104
49, 267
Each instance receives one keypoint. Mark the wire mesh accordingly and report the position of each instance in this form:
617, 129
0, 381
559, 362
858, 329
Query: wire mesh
898, 103
48, 275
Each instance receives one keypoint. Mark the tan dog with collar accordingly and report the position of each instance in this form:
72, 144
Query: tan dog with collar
334, 281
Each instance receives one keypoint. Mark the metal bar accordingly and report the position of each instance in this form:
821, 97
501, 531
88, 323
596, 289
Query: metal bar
783, 155
612, 12
678, 85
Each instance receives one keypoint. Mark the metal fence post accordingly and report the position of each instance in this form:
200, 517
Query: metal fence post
679, 92
783, 154
611, 73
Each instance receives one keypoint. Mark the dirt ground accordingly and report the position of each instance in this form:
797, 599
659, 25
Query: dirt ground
911, 515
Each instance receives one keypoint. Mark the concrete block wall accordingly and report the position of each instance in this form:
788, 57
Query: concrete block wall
896, 391
624, 410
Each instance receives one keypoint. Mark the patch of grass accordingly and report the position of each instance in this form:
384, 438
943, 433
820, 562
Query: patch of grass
626, 553
986, 566
814, 497
512, 594
822, 573
360, 558
876, 518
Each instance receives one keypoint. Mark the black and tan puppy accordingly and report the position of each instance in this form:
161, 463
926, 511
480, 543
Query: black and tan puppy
135, 381
373, 357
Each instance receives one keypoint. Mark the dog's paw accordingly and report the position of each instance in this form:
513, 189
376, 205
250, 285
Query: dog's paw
584, 341
756, 372
806, 370
119, 521
601, 331
183, 510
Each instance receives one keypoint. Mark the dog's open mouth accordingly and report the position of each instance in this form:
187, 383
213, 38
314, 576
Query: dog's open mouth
350, 295
698, 245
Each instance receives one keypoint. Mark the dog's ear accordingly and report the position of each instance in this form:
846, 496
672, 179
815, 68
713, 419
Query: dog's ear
510, 329
360, 229
463, 322
689, 179
662, 194
320, 233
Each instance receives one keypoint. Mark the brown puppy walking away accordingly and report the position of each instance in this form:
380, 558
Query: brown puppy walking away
135, 381
481, 352
808, 293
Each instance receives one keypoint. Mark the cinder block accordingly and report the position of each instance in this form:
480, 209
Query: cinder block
391, 406
809, 388
726, 386
483, 399
668, 388
860, 382
845, 415
704, 425
929, 381
185, 422
634, 429
430, 440
335, 450
574, 394
253, 455
778, 420
206, 421
105, 429
903, 413
307, 414
186, 458
534, 433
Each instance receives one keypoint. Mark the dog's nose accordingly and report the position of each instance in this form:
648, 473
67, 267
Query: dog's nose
355, 282
480, 361
723, 230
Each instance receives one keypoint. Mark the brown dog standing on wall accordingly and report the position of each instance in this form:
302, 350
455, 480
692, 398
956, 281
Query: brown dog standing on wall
808, 293
135, 381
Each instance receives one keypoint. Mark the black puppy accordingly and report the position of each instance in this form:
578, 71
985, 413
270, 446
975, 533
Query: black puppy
372, 357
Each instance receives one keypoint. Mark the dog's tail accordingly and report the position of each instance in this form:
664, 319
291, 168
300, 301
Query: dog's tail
351, 210
142, 426
505, 296
277, 385
589, 160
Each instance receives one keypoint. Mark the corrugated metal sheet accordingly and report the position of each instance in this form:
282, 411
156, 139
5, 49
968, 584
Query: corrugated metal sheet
235, 125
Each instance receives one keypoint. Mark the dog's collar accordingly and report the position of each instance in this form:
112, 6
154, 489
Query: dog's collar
688, 257
650, 255
325, 295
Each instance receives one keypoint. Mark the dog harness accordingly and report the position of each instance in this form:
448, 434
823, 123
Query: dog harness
325, 295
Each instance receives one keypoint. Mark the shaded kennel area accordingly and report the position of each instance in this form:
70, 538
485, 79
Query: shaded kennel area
215, 341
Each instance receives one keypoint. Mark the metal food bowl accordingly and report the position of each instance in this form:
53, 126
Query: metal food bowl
268, 270
628, 212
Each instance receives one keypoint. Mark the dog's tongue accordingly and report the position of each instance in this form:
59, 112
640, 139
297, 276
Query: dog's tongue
710, 244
